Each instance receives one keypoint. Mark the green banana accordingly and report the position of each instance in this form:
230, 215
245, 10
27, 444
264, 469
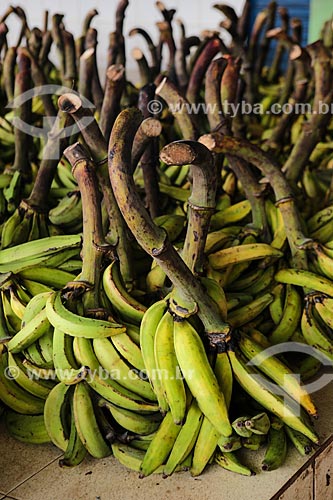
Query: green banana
200, 377
230, 462
307, 279
14, 396
255, 385
242, 253
302, 444
168, 368
276, 452
277, 371
26, 428
160, 446
75, 451
55, 413
186, 438
78, 326
148, 327
116, 367
86, 423
128, 308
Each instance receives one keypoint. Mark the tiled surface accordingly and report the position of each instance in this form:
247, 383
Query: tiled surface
324, 474
32, 473
19, 461
107, 480
302, 488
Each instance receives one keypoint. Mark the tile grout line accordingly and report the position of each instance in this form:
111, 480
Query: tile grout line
32, 475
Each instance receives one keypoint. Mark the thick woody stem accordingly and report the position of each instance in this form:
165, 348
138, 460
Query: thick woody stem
152, 48
265, 41
149, 162
166, 38
149, 129
92, 248
80, 42
283, 193
212, 48
86, 73
244, 20
9, 73
23, 115
93, 137
47, 41
180, 59
302, 74
56, 143
315, 127
296, 28
213, 91
34, 42
114, 86
39, 79
144, 70
153, 239
201, 203
70, 75
179, 108
120, 17
58, 40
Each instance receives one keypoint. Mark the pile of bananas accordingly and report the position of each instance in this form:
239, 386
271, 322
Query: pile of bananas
159, 265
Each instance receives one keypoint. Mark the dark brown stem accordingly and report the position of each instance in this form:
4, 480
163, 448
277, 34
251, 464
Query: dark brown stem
97, 93
314, 129
149, 129
23, 116
120, 17
280, 47
257, 28
114, 86
244, 20
180, 59
93, 137
201, 203
212, 91
70, 75
212, 48
296, 28
58, 40
113, 49
39, 79
152, 48
265, 42
229, 86
148, 153
153, 239
88, 20
166, 38
179, 108
53, 150
86, 73
34, 42
45, 21
9, 73
3, 37
92, 248
144, 70
47, 41
302, 73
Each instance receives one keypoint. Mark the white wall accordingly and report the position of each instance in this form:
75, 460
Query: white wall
197, 15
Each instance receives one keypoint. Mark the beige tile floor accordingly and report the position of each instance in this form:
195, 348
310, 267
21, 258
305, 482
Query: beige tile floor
30, 472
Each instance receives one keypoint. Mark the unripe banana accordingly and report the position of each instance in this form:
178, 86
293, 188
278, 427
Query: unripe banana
200, 377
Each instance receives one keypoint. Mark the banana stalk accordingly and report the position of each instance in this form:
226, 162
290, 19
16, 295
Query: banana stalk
153, 239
